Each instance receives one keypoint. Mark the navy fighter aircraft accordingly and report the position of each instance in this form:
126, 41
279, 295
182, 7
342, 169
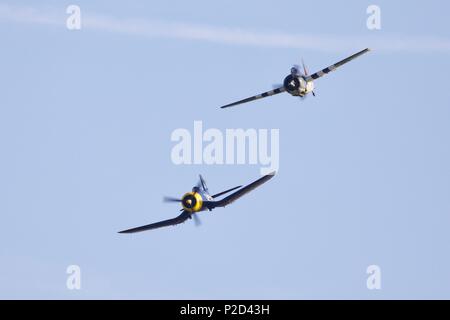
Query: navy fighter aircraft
297, 83
199, 199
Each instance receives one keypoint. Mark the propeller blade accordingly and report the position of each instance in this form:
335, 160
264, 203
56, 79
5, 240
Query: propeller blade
305, 70
202, 183
171, 199
197, 220
314, 94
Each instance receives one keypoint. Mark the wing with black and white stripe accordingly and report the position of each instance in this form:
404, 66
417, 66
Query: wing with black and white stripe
333, 67
259, 96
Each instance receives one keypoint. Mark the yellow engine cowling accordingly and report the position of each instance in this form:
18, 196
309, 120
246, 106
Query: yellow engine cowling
192, 202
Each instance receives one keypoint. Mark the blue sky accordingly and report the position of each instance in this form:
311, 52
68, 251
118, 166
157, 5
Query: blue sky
85, 124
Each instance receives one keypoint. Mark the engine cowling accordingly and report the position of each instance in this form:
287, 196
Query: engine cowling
192, 202
291, 83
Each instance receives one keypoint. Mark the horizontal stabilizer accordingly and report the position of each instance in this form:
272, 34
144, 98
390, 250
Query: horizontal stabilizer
234, 196
224, 192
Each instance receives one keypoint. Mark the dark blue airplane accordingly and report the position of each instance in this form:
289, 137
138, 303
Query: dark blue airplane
198, 200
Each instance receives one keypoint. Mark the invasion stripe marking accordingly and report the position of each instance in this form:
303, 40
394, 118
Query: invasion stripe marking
259, 96
336, 65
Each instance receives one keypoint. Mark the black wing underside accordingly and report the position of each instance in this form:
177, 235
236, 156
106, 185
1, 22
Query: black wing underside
170, 222
259, 96
241, 192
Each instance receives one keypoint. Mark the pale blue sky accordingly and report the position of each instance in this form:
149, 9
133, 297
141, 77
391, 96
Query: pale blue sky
85, 124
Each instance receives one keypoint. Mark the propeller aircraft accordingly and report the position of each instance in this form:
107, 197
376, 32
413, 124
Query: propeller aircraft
199, 199
297, 83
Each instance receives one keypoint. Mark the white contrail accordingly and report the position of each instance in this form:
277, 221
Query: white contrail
230, 36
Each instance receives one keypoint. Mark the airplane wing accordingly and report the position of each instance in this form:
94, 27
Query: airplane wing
170, 222
333, 67
259, 96
236, 195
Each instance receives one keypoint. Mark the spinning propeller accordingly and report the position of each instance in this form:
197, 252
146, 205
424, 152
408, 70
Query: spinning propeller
189, 200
